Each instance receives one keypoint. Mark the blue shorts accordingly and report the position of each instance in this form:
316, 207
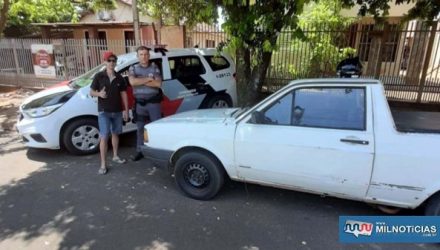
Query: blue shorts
109, 121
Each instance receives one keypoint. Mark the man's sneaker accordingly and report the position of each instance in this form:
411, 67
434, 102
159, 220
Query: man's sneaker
138, 156
118, 160
102, 171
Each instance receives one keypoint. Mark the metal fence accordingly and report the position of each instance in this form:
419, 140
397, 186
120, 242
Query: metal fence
405, 58
73, 57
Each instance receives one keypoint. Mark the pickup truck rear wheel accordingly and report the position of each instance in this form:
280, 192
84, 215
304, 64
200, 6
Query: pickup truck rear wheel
433, 206
199, 175
81, 136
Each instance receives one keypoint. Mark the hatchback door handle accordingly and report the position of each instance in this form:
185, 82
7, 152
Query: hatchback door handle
354, 141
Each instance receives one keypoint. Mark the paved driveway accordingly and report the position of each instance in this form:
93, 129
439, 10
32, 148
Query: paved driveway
52, 200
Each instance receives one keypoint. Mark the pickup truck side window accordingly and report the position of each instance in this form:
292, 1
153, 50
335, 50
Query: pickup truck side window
327, 107
280, 113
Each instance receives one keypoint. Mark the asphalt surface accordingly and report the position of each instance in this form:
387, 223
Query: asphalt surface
52, 200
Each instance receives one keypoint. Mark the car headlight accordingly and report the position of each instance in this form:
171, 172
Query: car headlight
145, 135
42, 111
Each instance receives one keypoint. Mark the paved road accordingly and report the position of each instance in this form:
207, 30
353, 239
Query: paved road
52, 200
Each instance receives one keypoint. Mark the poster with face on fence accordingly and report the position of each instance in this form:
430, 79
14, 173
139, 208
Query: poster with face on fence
43, 60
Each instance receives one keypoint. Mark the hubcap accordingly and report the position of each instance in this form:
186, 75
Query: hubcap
196, 175
220, 104
85, 137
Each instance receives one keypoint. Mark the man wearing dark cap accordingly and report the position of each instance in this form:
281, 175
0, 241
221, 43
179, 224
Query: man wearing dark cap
110, 88
146, 80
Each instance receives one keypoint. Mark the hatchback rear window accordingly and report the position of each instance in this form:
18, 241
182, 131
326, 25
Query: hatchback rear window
217, 62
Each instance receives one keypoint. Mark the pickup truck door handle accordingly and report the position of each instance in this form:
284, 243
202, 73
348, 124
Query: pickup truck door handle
354, 141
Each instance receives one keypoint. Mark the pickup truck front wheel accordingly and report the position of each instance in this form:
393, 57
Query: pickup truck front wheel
433, 206
199, 175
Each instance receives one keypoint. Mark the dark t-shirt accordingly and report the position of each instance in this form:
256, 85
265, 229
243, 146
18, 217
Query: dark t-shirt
113, 102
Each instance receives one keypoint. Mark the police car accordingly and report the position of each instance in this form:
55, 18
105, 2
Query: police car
65, 116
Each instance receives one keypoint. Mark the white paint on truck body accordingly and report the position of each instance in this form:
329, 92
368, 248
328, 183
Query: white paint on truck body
375, 164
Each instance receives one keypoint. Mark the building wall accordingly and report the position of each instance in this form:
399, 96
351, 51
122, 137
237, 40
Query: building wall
123, 13
415, 37
434, 65
203, 39
78, 33
147, 34
390, 68
172, 36
395, 10
115, 38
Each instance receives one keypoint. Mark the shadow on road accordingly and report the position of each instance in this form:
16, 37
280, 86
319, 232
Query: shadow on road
136, 206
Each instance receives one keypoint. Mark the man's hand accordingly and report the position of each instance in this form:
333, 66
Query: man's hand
125, 115
102, 93
148, 80
153, 82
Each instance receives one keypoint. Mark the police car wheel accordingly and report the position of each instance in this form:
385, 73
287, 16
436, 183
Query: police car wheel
81, 136
219, 101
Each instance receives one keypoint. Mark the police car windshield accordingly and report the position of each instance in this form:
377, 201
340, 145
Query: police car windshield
87, 78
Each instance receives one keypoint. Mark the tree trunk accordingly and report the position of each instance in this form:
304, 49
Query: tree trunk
3, 16
259, 76
244, 88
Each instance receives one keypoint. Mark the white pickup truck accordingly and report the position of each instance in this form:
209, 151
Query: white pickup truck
334, 137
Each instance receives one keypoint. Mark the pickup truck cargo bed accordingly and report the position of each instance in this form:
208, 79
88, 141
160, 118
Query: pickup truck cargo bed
417, 121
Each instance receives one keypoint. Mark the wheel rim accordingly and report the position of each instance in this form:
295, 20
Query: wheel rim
85, 138
196, 175
220, 104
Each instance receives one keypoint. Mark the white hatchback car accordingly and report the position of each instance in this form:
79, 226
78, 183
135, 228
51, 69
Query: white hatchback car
66, 115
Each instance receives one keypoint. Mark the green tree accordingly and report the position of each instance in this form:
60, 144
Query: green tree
255, 27
323, 47
19, 14
173, 12
423, 9
4, 8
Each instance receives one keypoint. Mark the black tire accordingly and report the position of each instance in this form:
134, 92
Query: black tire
218, 101
433, 206
199, 175
81, 137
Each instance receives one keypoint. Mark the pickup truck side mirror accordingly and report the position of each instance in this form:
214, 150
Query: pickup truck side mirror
257, 117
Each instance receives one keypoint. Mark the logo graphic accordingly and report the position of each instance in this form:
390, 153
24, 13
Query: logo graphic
358, 228
43, 58
397, 229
